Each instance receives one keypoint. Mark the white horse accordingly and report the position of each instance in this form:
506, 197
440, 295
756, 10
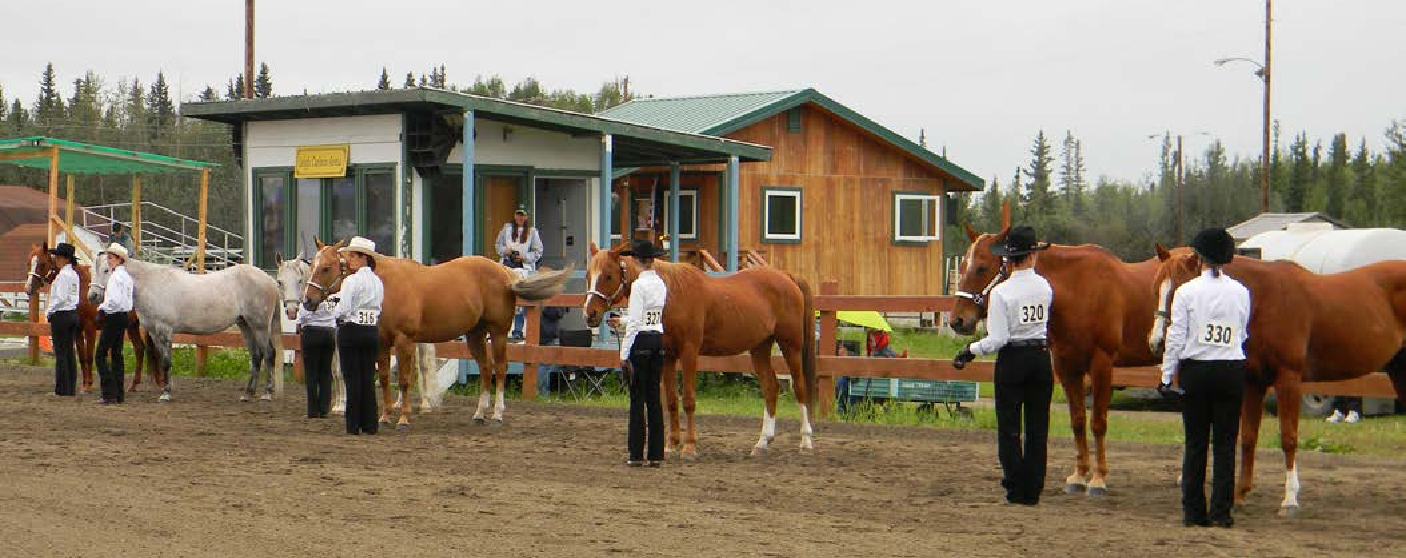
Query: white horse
170, 301
292, 281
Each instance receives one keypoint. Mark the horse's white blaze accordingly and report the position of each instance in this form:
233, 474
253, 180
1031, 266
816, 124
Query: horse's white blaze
768, 429
482, 405
592, 279
806, 439
1291, 487
1159, 324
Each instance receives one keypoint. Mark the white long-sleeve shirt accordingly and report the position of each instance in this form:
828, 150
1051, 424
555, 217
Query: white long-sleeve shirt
63, 292
1019, 309
531, 250
1210, 319
362, 294
117, 298
322, 315
646, 311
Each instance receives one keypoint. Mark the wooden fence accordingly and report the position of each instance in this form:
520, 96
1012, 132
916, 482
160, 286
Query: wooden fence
828, 301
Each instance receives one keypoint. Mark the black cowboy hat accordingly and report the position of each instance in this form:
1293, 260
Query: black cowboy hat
63, 249
642, 248
1019, 241
1214, 246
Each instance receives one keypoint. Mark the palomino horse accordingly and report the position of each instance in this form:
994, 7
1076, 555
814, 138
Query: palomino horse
292, 281
1304, 327
1097, 320
42, 270
171, 301
723, 316
471, 296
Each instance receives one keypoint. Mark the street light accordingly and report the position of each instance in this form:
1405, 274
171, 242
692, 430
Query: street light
1262, 72
1180, 174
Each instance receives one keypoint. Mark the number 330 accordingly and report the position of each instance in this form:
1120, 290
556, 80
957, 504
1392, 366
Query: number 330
1218, 334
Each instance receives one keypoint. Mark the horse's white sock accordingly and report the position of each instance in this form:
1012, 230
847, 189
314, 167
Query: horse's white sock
768, 430
1291, 487
807, 441
499, 406
482, 405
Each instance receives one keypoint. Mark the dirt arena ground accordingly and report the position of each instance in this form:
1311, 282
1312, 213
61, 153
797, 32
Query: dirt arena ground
208, 476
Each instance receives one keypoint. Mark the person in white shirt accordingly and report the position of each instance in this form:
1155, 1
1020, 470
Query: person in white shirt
358, 335
1205, 346
519, 247
317, 337
642, 356
63, 320
112, 318
1017, 320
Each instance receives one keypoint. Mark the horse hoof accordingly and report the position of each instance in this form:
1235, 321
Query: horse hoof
1073, 488
384, 421
497, 423
165, 398
266, 397
244, 399
1098, 492
1289, 512
758, 451
807, 451
480, 421
402, 426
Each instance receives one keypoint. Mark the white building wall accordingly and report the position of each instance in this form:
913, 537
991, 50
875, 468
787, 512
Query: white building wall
530, 147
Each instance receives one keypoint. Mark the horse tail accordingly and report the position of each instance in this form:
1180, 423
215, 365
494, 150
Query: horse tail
808, 350
275, 358
542, 285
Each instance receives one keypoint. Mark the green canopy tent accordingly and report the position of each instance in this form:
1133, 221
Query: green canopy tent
60, 156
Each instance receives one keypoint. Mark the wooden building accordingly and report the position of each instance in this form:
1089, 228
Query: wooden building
842, 197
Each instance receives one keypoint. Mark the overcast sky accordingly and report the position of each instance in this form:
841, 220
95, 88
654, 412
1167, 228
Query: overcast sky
981, 76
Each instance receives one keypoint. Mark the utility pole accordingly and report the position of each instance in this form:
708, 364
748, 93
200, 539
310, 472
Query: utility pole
1181, 185
248, 49
1264, 154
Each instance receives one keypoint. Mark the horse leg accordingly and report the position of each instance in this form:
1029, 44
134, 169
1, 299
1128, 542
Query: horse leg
1251, 413
1289, 396
160, 345
669, 377
499, 341
339, 389
255, 352
427, 371
405, 353
761, 366
478, 348
1072, 379
690, 402
1101, 380
87, 346
804, 398
383, 374
134, 334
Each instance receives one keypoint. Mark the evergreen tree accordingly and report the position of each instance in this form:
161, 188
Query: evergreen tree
1337, 179
235, 90
1071, 173
385, 82
18, 117
923, 138
409, 80
49, 109
3, 106
263, 83
1038, 201
1300, 175
161, 112
1394, 189
991, 207
527, 91
209, 94
1363, 202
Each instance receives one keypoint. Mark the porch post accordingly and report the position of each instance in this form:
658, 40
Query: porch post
607, 161
53, 192
469, 231
732, 200
200, 226
136, 214
674, 212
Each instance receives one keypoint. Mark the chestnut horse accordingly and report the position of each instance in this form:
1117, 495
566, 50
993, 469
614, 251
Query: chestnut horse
42, 270
1097, 319
1304, 327
720, 316
471, 296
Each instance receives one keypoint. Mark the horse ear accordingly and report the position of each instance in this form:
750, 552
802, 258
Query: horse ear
278, 258
594, 248
1002, 235
300, 254
1162, 253
318, 241
971, 232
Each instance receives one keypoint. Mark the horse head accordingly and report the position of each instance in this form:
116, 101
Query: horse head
1177, 266
980, 272
325, 273
97, 286
292, 281
608, 275
42, 268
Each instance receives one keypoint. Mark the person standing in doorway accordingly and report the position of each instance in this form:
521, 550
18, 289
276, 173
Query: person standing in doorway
358, 316
63, 320
642, 356
112, 318
1205, 346
519, 247
1017, 320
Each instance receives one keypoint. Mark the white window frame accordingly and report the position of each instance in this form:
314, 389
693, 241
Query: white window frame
935, 227
777, 191
686, 196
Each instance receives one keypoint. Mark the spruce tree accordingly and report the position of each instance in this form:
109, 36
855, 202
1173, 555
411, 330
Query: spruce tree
263, 83
1039, 202
48, 110
1363, 202
3, 106
409, 80
161, 112
209, 94
1337, 179
1071, 173
385, 82
1300, 175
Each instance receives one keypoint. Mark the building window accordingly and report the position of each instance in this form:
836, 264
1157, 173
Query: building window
781, 215
270, 234
915, 217
688, 215
793, 120
291, 212
615, 207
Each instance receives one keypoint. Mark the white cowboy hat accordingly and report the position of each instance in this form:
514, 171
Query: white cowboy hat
360, 244
117, 249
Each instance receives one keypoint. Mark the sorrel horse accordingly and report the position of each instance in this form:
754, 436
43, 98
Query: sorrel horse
171, 301
42, 270
720, 316
471, 296
1097, 319
1304, 327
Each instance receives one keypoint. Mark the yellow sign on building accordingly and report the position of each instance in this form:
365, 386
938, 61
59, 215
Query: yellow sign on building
322, 161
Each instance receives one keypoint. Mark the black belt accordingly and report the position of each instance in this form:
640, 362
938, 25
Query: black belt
1028, 344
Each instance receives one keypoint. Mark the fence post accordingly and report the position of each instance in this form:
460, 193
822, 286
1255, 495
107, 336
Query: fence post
34, 319
533, 325
202, 356
829, 326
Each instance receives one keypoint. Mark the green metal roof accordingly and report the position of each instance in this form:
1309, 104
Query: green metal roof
635, 144
83, 158
720, 115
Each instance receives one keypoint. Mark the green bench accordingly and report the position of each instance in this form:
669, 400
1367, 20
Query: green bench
949, 393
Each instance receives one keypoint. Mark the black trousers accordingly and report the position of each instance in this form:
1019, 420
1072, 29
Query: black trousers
63, 327
318, 344
111, 369
1211, 415
357, 346
1024, 382
647, 358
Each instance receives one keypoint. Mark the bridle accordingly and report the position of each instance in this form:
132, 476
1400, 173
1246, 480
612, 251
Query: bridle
979, 299
288, 301
331, 288
614, 297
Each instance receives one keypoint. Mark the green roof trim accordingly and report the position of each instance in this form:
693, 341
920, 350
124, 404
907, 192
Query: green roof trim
636, 144
723, 114
83, 158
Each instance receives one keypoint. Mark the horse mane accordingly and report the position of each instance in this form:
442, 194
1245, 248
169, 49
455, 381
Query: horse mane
684, 276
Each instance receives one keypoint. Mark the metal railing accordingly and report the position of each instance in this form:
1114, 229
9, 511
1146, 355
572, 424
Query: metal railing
167, 236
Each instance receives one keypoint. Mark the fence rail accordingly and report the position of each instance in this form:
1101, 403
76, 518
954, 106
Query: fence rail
532, 353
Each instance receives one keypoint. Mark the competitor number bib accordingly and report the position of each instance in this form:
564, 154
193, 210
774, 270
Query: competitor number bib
1033, 313
653, 317
1216, 333
366, 317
